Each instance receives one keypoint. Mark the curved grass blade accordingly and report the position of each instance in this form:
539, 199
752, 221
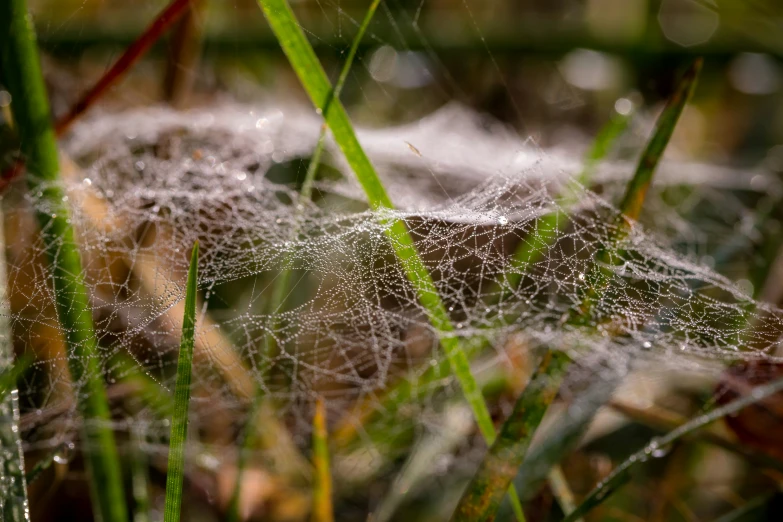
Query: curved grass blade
302, 57
630, 207
528, 252
282, 283
175, 476
322, 494
636, 192
622, 473
488, 486
22, 76
312, 76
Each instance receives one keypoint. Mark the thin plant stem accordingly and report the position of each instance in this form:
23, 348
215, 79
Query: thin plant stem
22, 76
660, 445
483, 495
175, 475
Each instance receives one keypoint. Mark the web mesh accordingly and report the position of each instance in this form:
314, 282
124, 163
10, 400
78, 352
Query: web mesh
145, 184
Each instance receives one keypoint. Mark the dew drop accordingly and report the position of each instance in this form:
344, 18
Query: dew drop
87, 181
502, 220
140, 166
647, 345
241, 176
581, 277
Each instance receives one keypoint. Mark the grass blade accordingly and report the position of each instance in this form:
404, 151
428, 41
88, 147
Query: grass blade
322, 494
282, 282
622, 473
636, 192
179, 425
312, 76
526, 254
630, 207
488, 486
22, 76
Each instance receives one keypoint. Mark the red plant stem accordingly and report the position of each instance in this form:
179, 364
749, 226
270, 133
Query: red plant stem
132, 54
136, 50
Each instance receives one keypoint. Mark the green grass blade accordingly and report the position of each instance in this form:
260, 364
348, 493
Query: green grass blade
636, 192
622, 473
630, 207
306, 65
312, 168
532, 249
488, 486
527, 252
282, 282
175, 476
22, 76
312, 76
322, 494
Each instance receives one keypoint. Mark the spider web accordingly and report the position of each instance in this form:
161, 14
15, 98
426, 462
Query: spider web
145, 184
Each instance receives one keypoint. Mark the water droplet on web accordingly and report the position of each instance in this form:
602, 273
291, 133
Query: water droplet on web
139, 166
64, 453
647, 345
502, 221
451, 308
156, 209
433, 362
459, 326
278, 221
260, 122
318, 110
241, 176
87, 181
581, 277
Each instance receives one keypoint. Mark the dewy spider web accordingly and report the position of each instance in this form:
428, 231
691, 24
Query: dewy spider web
146, 184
